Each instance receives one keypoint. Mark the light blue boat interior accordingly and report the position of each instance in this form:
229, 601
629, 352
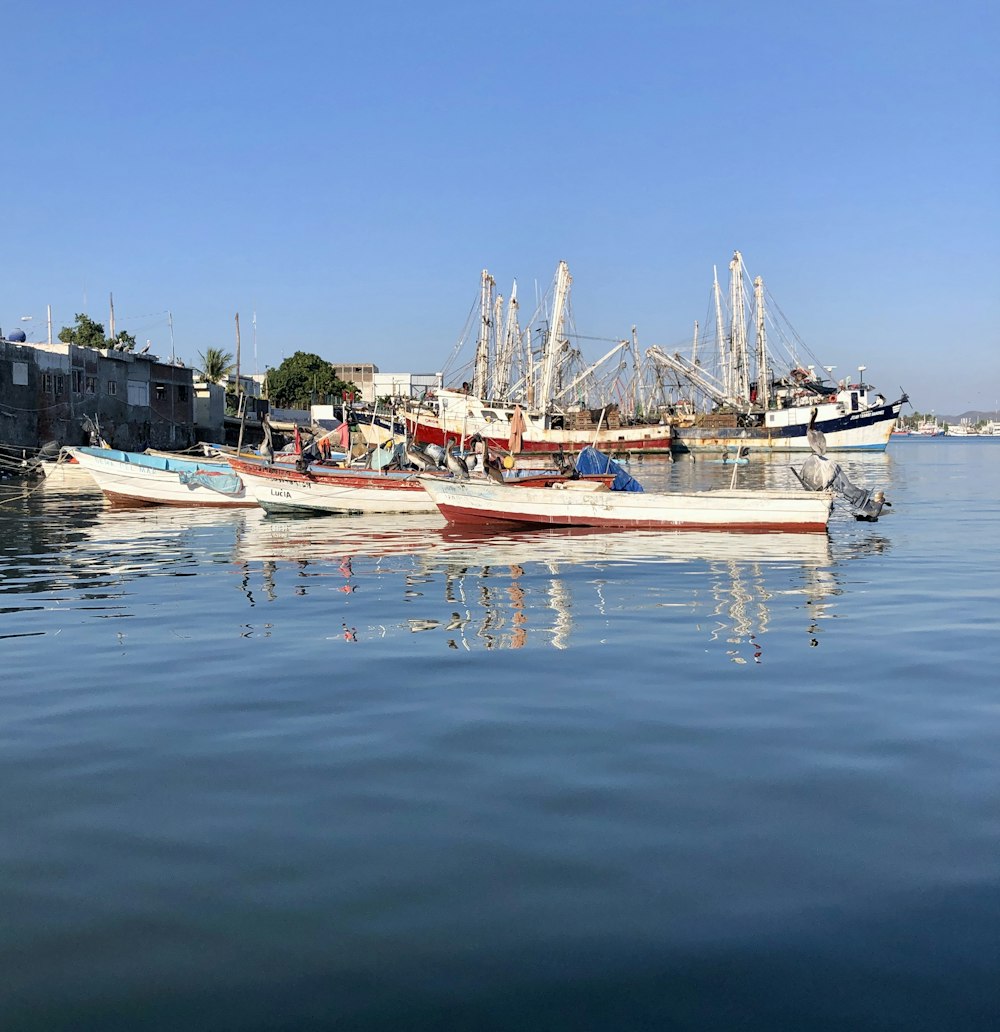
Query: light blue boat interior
159, 462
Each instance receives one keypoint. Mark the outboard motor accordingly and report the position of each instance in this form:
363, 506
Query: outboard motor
820, 473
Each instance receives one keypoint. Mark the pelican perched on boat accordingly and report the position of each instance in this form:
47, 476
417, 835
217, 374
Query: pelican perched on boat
815, 437
267, 445
491, 467
455, 463
415, 457
820, 473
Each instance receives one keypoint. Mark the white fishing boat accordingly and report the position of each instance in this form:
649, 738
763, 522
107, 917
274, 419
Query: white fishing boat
134, 478
383, 487
65, 473
751, 404
524, 404
929, 428
578, 503
316, 488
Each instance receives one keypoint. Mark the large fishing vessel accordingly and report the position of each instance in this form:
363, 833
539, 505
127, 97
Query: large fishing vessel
538, 401
745, 402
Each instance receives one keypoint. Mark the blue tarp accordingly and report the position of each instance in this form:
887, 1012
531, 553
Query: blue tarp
591, 461
224, 483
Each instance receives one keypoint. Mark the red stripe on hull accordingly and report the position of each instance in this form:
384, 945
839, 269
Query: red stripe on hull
656, 445
474, 517
378, 482
131, 502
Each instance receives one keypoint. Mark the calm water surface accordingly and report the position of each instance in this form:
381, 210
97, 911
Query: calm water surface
267, 774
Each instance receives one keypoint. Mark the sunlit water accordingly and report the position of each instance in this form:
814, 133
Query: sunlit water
375, 774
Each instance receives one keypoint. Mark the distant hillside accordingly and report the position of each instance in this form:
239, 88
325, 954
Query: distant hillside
973, 416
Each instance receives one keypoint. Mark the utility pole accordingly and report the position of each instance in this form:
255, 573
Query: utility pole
239, 394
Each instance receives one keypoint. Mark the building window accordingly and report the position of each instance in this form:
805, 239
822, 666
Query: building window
60, 383
19, 371
182, 392
112, 387
47, 383
91, 384
160, 392
77, 381
138, 392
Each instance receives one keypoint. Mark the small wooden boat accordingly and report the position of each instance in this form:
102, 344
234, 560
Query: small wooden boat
64, 473
134, 478
581, 503
279, 488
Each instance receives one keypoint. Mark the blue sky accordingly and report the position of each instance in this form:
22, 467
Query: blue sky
347, 171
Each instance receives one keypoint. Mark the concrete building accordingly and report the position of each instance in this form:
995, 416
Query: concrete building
47, 391
360, 374
374, 384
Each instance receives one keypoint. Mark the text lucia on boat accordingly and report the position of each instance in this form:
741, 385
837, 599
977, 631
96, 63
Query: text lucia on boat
386, 482
752, 404
538, 399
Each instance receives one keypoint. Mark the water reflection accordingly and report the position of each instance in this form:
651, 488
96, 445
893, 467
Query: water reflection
515, 588
72, 548
415, 576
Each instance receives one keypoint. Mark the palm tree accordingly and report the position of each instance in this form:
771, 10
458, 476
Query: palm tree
216, 364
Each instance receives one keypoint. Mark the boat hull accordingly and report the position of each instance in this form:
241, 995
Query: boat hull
471, 502
66, 474
132, 478
280, 490
458, 417
865, 430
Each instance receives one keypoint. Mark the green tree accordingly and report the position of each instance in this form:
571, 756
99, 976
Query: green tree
90, 334
216, 364
86, 333
305, 379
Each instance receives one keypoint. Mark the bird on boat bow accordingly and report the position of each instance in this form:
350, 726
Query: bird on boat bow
455, 463
267, 445
820, 473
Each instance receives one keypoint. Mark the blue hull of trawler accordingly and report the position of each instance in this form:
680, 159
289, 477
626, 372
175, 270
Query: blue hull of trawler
864, 430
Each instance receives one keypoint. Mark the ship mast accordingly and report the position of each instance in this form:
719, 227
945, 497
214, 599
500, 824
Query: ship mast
720, 335
553, 342
506, 345
740, 386
640, 385
482, 364
763, 372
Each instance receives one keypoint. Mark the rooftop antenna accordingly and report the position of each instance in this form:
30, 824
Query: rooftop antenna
170, 323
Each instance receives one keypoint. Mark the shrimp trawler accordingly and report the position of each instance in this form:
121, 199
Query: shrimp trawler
746, 403
542, 399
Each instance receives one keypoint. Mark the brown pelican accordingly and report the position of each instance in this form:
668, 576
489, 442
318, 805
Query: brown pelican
415, 457
820, 473
816, 438
455, 463
493, 470
267, 446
